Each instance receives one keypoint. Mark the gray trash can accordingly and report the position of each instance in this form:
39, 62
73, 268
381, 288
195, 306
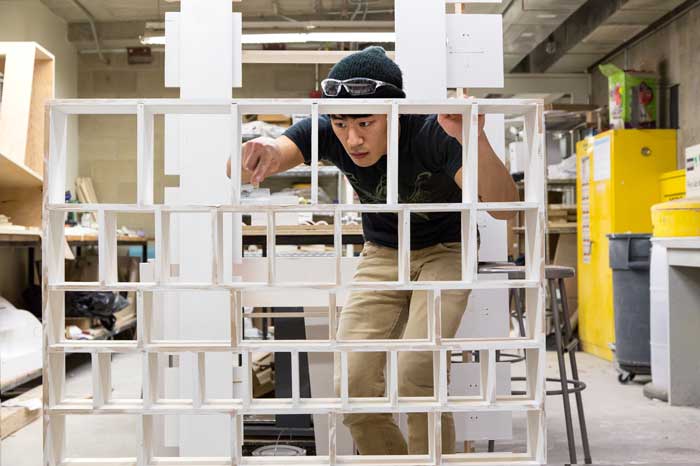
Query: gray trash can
630, 255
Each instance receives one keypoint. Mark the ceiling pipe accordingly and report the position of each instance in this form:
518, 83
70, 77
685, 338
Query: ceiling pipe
91, 20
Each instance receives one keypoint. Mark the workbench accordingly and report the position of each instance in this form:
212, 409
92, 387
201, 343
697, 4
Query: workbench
683, 267
300, 235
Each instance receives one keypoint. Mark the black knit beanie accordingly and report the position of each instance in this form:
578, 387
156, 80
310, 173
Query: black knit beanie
372, 63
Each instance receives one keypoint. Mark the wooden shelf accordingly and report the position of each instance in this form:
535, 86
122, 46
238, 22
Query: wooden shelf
28, 85
14, 175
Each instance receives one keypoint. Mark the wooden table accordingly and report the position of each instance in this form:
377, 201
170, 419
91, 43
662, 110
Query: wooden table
91, 240
287, 235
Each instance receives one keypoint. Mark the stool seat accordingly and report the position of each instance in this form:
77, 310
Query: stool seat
517, 272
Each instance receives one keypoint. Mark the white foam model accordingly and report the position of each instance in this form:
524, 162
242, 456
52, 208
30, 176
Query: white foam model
20, 343
190, 301
224, 404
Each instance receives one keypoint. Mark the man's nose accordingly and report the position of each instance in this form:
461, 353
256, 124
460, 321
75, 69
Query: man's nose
354, 138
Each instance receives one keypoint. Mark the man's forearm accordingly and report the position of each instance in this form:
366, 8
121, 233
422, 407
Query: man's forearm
495, 183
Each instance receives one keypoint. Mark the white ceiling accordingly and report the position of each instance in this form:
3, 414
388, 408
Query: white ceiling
526, 23
127, 10
631, 19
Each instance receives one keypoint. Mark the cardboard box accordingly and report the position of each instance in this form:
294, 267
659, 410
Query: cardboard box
692, 172
632, 98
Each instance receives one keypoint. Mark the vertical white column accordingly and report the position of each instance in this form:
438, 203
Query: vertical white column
236, 161
393, 376
146, 440
535, 361
237, 439
205, 73
56, 372
246, 389
314, 153
55, 441
54, 252
150, 378
271, 247
107, 246
535, 165
537, 436
217, 246
430, 309
199, 380
56, 166
470, 190
55, 317
144, 155
332, 314
392, 166
535, 191
470, 154
442, 374
162, 245
344, 401
332, 439
295, 377
144, 317
435, 437
338, 244
236, 319
487, 362
101, 379
404, 253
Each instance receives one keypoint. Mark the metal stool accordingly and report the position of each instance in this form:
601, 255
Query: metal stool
565, 343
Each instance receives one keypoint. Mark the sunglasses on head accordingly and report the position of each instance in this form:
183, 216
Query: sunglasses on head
353, 86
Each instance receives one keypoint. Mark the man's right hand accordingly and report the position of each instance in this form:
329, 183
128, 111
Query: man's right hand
261, 157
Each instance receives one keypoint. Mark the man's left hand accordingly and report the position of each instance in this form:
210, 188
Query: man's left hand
452, 124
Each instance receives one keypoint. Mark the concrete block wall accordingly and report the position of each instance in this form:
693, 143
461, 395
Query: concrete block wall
107, 144
31, 20
673, 53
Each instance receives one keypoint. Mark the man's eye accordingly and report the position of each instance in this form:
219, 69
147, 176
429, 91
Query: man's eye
339, 124
365, 124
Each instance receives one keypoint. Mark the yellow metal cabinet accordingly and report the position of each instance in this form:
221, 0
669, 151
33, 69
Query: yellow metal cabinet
617, 183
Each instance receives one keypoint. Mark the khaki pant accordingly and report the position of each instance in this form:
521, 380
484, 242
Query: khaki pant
397, 314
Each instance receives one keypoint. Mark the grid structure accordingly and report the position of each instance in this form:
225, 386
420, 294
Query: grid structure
57, 405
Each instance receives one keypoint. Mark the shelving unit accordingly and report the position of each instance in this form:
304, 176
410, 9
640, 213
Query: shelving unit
28, 71
239, 402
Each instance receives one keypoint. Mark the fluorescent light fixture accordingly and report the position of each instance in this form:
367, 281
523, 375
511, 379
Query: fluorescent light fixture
299, 38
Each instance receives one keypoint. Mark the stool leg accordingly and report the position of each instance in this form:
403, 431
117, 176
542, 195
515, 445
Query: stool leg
562, 373
574, 374
519, 310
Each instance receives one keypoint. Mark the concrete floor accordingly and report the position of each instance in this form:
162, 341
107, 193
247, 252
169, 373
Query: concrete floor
624, 427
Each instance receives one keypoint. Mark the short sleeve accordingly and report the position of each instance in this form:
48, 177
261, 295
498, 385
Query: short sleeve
446, 150
452, 151
300, 135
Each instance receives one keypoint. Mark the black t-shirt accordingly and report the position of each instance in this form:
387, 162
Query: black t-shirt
428, 160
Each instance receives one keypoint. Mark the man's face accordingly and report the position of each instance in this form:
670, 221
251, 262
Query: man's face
364, 138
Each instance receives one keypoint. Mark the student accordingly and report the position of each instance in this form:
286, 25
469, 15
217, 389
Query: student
430, 171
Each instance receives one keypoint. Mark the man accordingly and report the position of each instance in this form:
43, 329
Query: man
430, 159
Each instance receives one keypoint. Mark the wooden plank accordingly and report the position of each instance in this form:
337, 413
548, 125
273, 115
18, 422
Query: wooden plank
14, 175
42, 92
14, 418
23, 206
301, 230
16, 100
